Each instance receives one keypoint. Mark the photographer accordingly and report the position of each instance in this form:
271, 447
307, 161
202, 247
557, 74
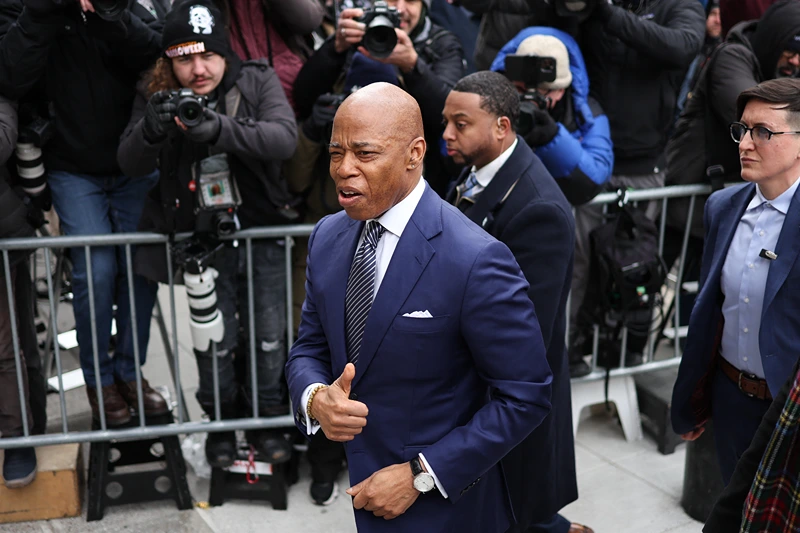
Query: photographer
426, 61
247, 125
19, 464
88, 58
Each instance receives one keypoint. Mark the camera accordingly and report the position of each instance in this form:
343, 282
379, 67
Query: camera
217, 198
111, 10
30, 141
189, 106
530, 70
380, 37
529, 101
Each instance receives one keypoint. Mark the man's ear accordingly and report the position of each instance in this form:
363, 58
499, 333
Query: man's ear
503, 127
416, 152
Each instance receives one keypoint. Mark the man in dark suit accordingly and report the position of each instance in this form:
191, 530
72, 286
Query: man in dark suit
426, 322
745, 326
510, 193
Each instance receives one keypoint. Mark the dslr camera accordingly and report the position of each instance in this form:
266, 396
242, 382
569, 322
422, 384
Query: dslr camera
530, 70
189, 106
380, 37
30, 141
217, 198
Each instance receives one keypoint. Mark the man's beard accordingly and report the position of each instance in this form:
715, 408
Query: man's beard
786, 72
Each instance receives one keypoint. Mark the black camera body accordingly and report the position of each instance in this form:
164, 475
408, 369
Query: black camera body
189, 107
530, 70
380, 37
217, 198
528, 102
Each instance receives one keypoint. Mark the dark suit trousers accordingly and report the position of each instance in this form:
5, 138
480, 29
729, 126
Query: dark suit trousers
325, 457
736, 418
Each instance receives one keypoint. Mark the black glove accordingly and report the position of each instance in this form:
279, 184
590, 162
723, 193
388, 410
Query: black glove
207, 132
159, 117
317, 126
544, 129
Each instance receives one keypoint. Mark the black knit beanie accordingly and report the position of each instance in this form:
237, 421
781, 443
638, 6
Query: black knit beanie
194, 27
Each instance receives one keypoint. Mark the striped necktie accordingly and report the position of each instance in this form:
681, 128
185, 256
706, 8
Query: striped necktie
360, 289
465, 192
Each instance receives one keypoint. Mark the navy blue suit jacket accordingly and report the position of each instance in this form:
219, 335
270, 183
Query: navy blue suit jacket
463, 387
535, 221
779, 335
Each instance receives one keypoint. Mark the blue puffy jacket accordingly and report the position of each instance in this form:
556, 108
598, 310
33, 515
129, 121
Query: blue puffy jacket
581, 155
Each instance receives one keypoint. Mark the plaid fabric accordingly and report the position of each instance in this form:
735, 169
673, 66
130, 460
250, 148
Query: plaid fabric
773, 503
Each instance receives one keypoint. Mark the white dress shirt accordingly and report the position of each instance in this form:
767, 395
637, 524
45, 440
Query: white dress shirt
744, 279
395, 221
485, 174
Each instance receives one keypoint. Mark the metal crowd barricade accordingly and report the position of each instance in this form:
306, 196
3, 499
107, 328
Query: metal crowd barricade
287, 233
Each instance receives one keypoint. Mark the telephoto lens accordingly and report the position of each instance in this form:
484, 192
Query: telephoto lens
110, 10
380, 38
205, 320
30, 168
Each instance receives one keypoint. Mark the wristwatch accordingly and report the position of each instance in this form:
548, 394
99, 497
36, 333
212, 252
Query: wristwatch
423, 481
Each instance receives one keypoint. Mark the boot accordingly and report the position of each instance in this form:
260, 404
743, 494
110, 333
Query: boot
114, 405
221, 449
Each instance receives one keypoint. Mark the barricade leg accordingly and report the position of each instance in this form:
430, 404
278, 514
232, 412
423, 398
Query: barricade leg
621, 392
250, 479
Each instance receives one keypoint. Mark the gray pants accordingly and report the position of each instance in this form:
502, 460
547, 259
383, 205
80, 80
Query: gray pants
589, 217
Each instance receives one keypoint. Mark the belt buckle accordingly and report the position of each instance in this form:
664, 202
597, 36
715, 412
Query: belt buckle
739, 383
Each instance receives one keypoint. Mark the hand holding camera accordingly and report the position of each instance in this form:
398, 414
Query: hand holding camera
159, 117
317, 127
403, 55
204, 131
544, 128
349, 31
376, 32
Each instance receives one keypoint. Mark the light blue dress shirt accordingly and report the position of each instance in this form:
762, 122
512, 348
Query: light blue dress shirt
744, 278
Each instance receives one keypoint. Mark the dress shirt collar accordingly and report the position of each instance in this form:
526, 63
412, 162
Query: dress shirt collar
396, 218
781, 203
486, 173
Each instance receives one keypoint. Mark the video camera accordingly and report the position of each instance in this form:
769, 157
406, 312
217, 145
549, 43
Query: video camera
189, 106
380, 37
530, 70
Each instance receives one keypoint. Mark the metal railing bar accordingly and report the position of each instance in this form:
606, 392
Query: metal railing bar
98, 378
183, 414
12, 316
251, 326
52, 336
137, 365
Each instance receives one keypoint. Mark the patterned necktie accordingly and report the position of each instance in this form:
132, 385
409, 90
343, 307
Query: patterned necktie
465, 192
360, 289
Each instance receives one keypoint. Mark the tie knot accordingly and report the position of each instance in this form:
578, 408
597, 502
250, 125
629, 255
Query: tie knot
467, 188
374, 232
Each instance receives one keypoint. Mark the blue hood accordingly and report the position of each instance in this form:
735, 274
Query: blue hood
580, 79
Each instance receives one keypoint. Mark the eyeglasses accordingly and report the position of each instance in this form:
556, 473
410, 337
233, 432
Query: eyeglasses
759, 134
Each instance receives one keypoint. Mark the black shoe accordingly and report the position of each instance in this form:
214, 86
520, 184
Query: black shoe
324, 493
579, 368
634, 359
272, 446
221, 449
19, 467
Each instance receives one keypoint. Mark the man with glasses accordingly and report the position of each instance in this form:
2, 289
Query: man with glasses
745, 326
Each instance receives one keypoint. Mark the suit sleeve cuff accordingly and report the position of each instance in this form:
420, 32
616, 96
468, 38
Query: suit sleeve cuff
312, 426
435, 479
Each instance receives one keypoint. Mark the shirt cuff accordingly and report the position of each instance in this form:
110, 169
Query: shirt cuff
435, 479
312, 426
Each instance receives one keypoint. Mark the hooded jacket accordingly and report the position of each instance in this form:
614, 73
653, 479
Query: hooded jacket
701, 139
637, 62
581, 156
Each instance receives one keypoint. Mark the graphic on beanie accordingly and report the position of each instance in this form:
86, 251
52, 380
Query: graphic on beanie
201, 20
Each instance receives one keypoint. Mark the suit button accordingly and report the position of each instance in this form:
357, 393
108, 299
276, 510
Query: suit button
354, 396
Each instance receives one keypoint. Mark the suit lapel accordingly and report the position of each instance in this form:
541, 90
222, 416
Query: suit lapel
728, 222
338, 272
506, 176
410, 258
786, 249
451, 193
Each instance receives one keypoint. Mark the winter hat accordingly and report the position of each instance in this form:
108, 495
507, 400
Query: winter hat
194, 27
364, 71
549, 46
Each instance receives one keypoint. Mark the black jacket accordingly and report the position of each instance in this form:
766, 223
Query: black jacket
701, 137
503, 19
726, 516
90, 69
536, 223
636, 64
440, 65
257, 139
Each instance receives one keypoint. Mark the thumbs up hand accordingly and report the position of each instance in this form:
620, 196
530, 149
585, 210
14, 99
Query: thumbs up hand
339, 417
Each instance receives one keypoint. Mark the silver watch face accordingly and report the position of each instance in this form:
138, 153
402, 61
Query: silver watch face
424, 482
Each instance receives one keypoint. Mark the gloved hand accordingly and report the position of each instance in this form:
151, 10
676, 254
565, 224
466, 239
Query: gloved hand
159, 117
207, 132
317, 126
544, 129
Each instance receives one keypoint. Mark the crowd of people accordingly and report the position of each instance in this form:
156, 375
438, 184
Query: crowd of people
447, 151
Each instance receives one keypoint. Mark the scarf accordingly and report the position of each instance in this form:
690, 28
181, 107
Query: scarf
773, 503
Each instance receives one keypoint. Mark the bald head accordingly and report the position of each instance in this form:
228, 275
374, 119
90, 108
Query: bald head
388, 104
377, 147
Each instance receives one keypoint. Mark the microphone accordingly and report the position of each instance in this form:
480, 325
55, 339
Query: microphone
768, 254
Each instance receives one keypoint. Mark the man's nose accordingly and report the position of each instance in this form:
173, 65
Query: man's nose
746, 144
401, 6
449, 133
347, 167
198, 67
795, 60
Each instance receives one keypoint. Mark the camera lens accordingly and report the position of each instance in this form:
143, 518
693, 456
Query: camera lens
380, 37
190, 112
224, 223
111, 10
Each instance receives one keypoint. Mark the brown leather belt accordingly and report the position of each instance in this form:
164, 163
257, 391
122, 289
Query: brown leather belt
747, 383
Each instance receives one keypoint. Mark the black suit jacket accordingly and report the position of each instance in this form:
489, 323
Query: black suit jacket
726, 516
535, 221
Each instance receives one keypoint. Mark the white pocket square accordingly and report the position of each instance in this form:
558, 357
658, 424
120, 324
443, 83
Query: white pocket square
419, 314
